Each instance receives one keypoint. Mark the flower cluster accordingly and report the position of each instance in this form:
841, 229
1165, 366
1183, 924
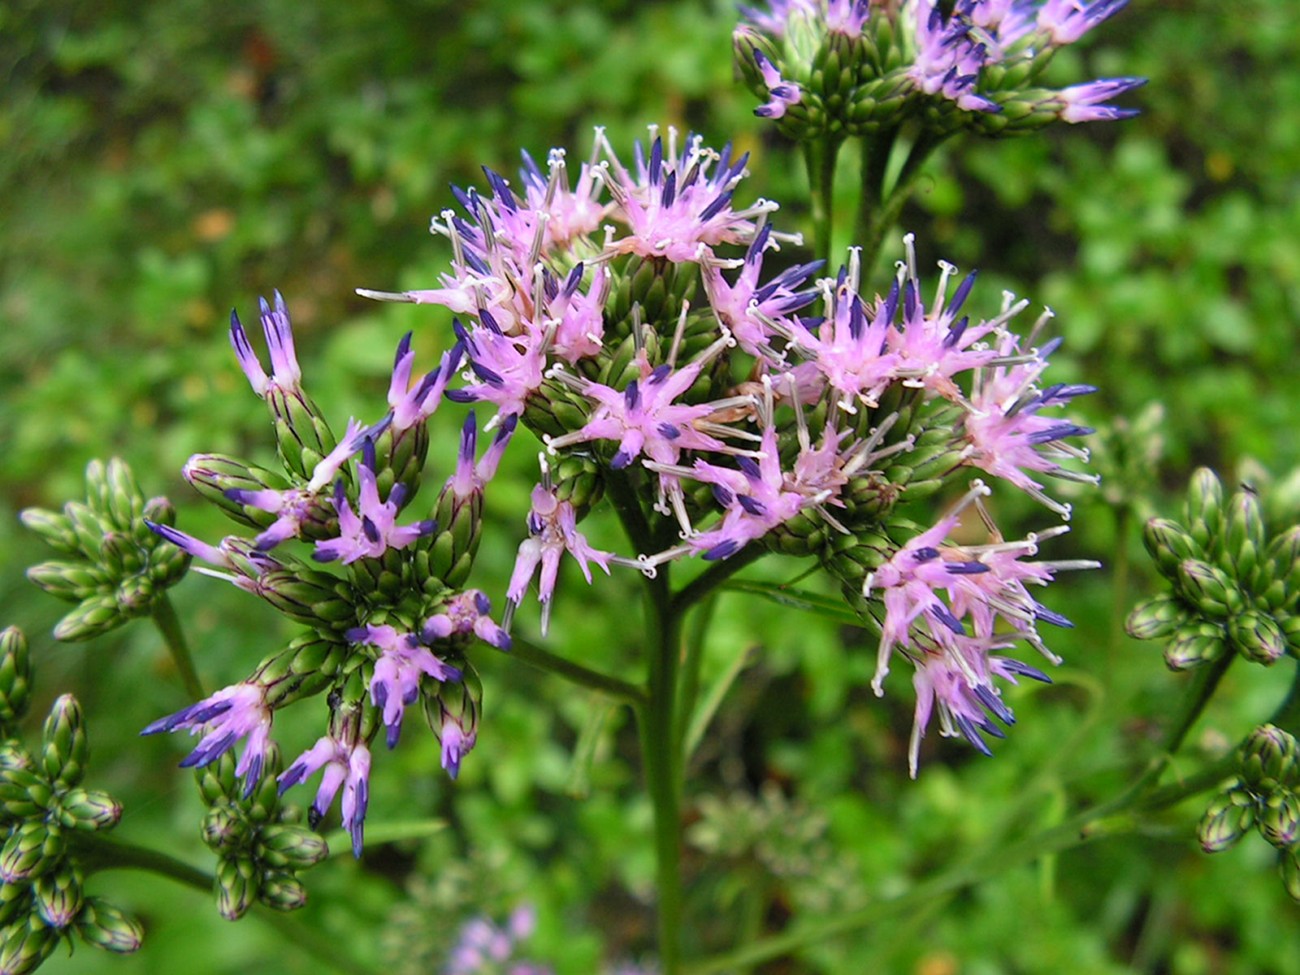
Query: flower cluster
797, 414
623, 319
854, 66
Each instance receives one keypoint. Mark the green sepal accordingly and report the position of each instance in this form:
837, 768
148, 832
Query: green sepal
1279, 818
24, 795
1204, 506
1169, 545
1230, 815
1211, 590
1270, 757
70, 581
1257, 637
1195, 644
95, 616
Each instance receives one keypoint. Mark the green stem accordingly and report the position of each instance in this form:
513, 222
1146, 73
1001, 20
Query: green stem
1120, 593
659, 747
533, 655
820, 156
878, 225
715, 575
876, 153
98, 853
169, 625
690, 689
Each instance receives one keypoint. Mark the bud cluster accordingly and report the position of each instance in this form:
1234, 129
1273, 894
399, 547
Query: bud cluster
835, 68
43, 811
1234, 582
260, 849
113, 567
1265, 794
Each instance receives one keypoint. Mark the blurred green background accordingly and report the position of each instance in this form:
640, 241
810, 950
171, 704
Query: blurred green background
164, 161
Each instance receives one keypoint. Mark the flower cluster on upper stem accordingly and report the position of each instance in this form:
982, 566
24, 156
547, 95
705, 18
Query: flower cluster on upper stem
649, 328
826, 67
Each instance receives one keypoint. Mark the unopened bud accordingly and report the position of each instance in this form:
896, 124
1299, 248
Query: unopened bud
1257, 637
1194, 644
88, 809
15, 676
1169, 545
63, 755
27, 943
1279, 820
1290, 869
1271, 757
282, 891
1209, 589
108, 927
1156, 618
290, 847
1205, 506
237, 885
58, 896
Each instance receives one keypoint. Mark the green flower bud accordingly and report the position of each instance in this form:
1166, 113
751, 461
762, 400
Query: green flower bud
24, 794
290, 847
1156, 618
120, 555
1229, 816
1279, 820
55, 528
26, 945
70, 581
1169, 546
226, 830
310, 596
1193, 644
1209, 589
1243, 536
15, 903
88, 810
95, 616
123, 500
33, 848
1204, 507
15, 676
105, 926
1270, 757
212, 475
217, 781
161, 512
64, 753
306, 667
1280, 571
1289, 866
89, 528
237, 885
282, 891
58, 896
1257, 637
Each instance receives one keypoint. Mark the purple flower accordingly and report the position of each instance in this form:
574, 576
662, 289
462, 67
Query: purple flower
961, 687
950, 55
232, 713
756, 315
509, 368
372, 529
679, 206
1007, 436
396, 680
1083, 103
782, 94
571, 215
410, 405
285, 373
482, 947
346, 763
466, 613
552, 527
470, 477
1068, 20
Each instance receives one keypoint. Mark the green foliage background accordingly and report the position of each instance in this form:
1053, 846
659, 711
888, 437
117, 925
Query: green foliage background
163, 161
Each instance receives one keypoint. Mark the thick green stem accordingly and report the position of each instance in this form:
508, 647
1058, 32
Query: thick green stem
690, 683
169, 625
662, 758
714, 576
820, 156
533, 655
97, 853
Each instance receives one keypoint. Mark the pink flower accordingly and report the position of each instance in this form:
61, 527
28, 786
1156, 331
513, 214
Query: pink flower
232, 713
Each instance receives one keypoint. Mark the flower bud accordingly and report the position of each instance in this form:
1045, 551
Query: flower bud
282, 891
89, 528
302, 436
1279, 819
58, 896
64, 753
105, 926
88, 810
26, 945
24, 795
225, 829
95, 616
309, 596
290, 847
55, 528
214, 475
33, 847
1243, 536
1270, 757
70, 581
1156, 618
1290, 869
15, 676
1204, 506
1209, 589
1169, 545
305, 668
238, 881
123, 500
1193, 644
1257, 637
1226, 821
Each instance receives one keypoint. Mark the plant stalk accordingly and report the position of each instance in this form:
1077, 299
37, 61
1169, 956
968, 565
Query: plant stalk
169, 625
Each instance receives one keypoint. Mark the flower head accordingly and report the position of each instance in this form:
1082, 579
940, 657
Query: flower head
346, 762
396, 680
232, 713
372, 528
